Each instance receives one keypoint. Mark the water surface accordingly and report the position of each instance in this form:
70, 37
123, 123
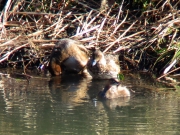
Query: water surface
69, 105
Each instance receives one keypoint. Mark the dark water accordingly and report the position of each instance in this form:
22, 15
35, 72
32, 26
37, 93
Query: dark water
69, 106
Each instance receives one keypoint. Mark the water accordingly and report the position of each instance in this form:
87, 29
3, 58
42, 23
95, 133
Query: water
69, 106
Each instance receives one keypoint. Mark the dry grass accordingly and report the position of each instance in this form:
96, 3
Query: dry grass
138, 37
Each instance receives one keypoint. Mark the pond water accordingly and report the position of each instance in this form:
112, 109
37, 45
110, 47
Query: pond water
69, 105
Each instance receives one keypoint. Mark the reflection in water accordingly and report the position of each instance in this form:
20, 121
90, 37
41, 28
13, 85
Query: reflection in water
103, 107
69, 105
115, 103
70, 90
20, 102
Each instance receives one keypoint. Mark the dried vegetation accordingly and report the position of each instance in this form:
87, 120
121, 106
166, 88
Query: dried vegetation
146, 38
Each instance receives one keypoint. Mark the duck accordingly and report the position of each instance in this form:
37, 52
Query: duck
101, 66
68, 56
113, 90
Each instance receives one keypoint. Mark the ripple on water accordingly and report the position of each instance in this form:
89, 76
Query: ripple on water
56, 106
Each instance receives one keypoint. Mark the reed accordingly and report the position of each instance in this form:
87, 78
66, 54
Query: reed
144, 38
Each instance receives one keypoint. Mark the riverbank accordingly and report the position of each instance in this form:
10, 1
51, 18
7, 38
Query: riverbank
145, 38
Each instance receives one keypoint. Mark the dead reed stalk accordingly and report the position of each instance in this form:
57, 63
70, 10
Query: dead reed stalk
135, 34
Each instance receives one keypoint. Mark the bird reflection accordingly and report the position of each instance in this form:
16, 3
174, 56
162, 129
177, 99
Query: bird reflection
117, 102
69, 89
99, 89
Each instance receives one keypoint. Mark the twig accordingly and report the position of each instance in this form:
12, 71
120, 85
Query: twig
91, 29
117, 27
6, 56
110, 45
102, 24
168, 73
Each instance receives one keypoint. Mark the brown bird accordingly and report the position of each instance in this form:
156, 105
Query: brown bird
114, 90
102, 66
68, 56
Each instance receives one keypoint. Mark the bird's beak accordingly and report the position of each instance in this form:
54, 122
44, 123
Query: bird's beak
94, 62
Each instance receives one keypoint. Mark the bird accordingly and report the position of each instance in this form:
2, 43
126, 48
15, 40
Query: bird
68, 56
113, 89
102, 66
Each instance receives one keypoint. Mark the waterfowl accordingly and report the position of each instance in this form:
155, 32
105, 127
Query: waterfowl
102, 66
113, 90
68, 56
